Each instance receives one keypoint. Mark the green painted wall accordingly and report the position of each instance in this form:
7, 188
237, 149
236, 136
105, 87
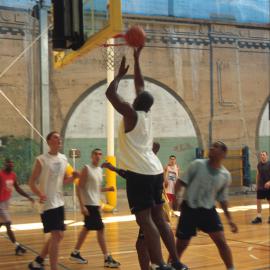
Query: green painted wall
264, 143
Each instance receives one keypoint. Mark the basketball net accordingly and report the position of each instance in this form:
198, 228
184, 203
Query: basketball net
112, 53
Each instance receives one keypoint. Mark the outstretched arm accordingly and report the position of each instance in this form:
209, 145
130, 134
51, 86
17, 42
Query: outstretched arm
116, 100
22, 192
138, 78
107, 189
119, 171
79, 188
32, 182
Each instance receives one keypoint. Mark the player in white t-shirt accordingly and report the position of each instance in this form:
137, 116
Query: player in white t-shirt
46, 181
88, 192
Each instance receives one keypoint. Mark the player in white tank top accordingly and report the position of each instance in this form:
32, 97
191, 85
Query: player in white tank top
50, 172
171, 174
144, 170
88, 192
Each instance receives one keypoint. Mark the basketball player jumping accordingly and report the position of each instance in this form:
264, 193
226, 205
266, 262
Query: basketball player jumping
144, 170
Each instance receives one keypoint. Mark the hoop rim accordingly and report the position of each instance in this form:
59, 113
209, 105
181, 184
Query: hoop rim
115, 37
113, 45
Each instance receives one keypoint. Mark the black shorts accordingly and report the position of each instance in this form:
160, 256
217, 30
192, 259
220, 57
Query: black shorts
143, 191
263, 194
93, 222
53, 219
191, 219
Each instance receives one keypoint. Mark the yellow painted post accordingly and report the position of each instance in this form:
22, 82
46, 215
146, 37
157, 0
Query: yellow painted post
111, 181
110, 176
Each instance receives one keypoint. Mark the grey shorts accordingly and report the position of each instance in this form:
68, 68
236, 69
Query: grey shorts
4, 214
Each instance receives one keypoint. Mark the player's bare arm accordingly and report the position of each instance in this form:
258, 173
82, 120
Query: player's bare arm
138, 78
81, 186
224, 206
120, 105
180, 188
70, 179
22, 192
33, 180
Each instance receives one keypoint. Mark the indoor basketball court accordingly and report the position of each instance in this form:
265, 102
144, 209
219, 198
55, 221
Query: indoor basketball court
206, 67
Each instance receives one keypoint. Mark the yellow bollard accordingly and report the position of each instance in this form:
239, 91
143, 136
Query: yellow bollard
111, 196
69, 171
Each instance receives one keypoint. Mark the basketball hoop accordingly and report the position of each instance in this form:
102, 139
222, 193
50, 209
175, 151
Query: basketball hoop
112, 52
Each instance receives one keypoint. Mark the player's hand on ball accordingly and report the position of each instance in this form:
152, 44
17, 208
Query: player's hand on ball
234, 228
267, 185
84, 211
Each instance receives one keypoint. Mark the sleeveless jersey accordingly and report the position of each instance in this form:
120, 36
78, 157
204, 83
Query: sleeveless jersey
135, 147
51, 179
171, 176
92, 189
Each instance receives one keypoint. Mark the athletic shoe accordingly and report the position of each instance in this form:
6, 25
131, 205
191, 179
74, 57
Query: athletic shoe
111, 263
257, 220
78, 258
20, 250
36, 266
179, 266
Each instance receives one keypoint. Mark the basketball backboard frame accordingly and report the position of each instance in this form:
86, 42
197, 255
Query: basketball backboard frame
63, 58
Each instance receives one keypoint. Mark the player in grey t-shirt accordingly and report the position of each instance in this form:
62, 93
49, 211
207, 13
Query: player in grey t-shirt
206, 181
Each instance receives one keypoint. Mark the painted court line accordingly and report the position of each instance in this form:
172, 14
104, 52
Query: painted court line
34, 252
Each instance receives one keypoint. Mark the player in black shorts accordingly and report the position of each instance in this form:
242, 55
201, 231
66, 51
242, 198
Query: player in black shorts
47, 180
141, 247
88, 191
206, 181
263, 185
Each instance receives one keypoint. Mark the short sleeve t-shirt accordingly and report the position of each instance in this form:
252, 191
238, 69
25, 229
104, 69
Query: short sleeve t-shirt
205, 184
264, 173
7, 180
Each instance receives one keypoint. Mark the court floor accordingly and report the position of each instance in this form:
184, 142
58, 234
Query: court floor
251, 246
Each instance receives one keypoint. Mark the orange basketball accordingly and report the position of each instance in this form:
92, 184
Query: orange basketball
135, 36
